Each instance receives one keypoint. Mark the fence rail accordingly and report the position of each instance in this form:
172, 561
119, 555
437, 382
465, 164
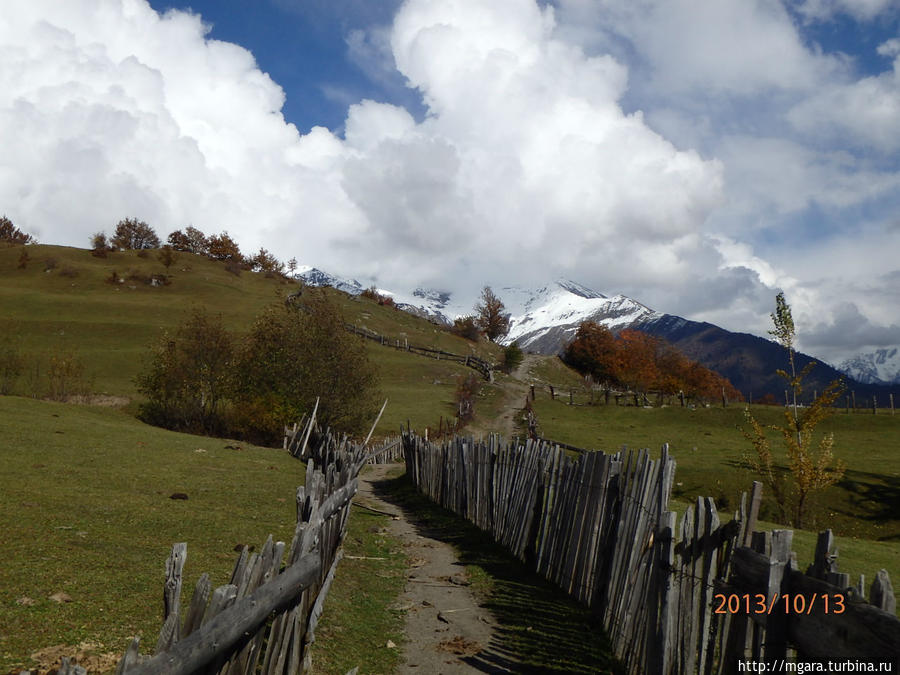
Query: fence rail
470, 361
599, 527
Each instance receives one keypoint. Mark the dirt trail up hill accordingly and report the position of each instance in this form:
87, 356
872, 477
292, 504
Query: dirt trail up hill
515, 391
445, 625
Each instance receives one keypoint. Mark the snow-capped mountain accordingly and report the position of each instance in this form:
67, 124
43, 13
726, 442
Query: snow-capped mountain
879, 367
313, 276
434, 305
546, 319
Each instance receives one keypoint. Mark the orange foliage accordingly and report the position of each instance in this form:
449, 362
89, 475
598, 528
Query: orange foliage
642, 362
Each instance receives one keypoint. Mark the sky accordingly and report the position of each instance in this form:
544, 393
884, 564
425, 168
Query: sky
696, 155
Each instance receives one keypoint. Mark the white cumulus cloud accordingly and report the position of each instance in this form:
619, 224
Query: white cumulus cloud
637, 146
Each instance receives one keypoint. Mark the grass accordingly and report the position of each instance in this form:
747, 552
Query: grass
358, 620
86, 511
540, 629
110, 326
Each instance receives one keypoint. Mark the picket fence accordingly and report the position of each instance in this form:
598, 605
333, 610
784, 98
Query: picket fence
599, 527
264, 619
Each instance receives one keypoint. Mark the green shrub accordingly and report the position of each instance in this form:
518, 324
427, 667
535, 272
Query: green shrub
293, 355
512, 357
189, 376
65, 376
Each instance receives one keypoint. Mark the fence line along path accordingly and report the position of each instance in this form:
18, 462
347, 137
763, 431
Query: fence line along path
673, 594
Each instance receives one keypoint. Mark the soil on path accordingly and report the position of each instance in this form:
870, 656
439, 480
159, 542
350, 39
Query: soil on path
509, 421
447, 630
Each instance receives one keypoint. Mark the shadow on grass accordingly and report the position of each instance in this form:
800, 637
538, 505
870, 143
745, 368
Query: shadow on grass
540, 630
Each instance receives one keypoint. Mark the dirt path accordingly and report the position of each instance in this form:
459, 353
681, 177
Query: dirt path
445, 625
515, 390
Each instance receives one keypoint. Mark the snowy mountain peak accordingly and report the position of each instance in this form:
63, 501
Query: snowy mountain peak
561, 307
879, 367
313, 276
578, 289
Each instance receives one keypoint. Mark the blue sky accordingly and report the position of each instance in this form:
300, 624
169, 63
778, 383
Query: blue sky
697, 156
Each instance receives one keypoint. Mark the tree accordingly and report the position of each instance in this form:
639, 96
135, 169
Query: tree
133, 234
490, 317
512, 357
191, 240
12, 235
811, 466
189, 376
466, 327
292, 265
223, 247
167, 256
594, 351
636, 360
99, 245
266, 262
294, 354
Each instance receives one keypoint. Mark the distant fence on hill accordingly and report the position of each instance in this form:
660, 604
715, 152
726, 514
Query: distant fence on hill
470, 361
699, 597
264, 619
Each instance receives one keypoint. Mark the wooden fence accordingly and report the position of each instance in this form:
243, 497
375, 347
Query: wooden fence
694, 597
264, 619
485, 368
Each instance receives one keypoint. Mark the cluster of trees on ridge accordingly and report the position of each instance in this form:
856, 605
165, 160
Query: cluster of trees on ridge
642, 363
133, 234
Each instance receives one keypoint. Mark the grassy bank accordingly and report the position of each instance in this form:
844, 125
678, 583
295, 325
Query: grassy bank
86, 511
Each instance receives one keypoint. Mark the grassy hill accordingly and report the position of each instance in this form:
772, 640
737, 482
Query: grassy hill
74, 307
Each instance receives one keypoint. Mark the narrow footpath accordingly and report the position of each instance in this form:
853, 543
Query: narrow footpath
446, 628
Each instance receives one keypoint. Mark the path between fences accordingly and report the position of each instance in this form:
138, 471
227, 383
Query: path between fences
444, 621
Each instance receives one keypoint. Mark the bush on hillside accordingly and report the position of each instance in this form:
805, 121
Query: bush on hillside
203, 379
294, 354
167, 256
467, 388
223, 247
66, 376
467, 328
189, 377
99, 245
512, 357
266, 262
